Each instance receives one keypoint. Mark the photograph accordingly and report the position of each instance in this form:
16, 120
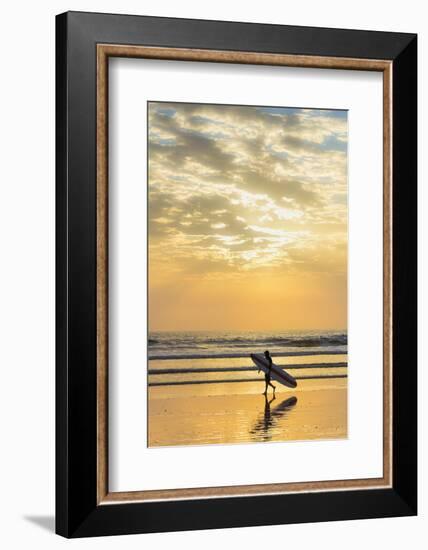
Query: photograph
247, 273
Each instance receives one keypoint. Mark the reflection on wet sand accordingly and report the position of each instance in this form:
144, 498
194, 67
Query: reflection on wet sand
268, 420
209, 414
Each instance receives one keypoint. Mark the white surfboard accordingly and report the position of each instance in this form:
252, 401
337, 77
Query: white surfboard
276, 373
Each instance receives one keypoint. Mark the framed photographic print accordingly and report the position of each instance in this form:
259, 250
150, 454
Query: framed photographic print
236, 274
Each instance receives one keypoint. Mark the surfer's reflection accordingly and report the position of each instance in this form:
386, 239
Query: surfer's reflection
267, 422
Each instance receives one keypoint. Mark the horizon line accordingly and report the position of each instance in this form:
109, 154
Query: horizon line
252, 330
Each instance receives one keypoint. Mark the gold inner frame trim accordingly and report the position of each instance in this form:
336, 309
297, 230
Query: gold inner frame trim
104, 52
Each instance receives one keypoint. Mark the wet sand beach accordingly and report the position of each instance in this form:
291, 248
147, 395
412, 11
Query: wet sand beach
225, 413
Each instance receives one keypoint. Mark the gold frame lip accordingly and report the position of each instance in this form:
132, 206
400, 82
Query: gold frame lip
104, 52
123, 497
242, 57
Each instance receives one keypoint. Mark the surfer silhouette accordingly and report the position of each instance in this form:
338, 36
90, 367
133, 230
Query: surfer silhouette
268, 373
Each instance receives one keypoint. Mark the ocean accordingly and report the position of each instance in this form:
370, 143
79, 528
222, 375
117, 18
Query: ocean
199, 357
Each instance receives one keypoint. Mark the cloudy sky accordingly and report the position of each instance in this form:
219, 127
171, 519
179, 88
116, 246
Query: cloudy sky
247, 217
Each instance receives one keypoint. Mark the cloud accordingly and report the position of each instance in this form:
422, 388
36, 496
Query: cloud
236, 188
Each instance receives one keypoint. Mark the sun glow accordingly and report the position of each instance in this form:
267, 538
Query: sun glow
247, 218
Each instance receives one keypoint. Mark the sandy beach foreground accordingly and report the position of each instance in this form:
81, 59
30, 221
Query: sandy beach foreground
216, 414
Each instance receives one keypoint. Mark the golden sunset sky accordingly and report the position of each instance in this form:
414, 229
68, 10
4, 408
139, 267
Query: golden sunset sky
247, 218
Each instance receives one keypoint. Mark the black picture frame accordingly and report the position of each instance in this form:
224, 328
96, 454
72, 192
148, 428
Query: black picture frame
77, 511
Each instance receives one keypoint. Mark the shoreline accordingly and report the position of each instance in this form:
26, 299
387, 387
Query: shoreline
235, 355
213, 370
240, 380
